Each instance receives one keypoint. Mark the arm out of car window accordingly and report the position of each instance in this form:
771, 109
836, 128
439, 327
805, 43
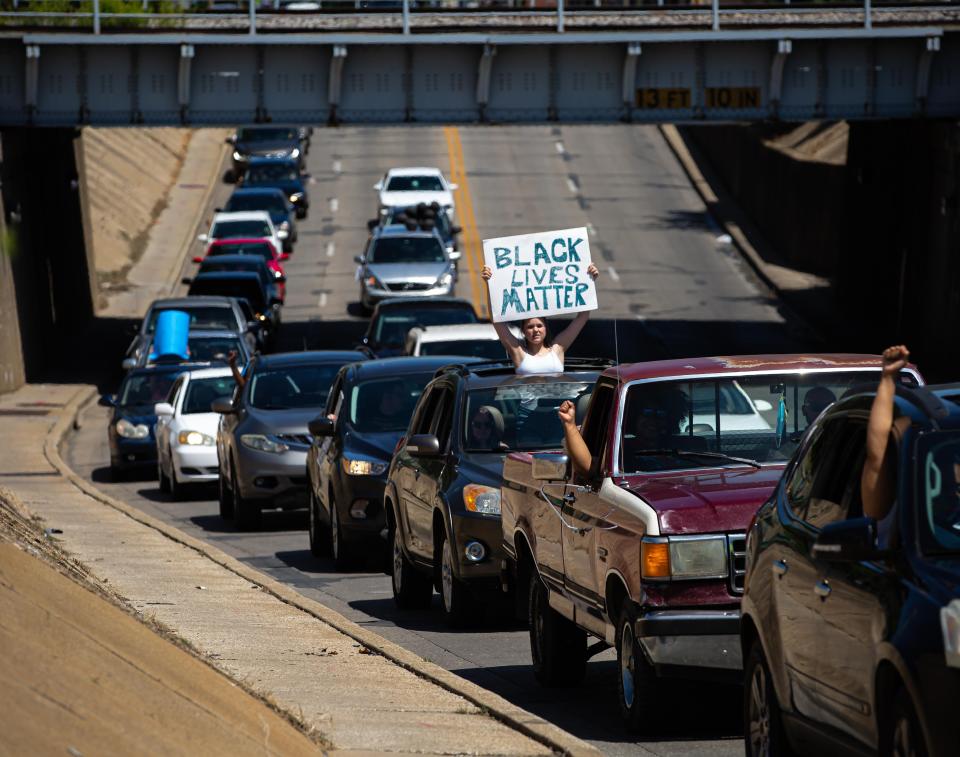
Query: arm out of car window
877, 481
576, 446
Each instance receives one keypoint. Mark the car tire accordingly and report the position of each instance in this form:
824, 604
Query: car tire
246, 511
225, 496
902, 734
301, 213
162, 480
763, 731
412, 590
558, 647
341, 550
455, 599
638, 688
177, 490
319, 540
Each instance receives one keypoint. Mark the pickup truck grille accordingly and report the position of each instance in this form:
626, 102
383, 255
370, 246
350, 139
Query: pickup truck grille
737, 559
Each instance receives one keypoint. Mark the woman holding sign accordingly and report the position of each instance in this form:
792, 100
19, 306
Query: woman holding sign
537, 352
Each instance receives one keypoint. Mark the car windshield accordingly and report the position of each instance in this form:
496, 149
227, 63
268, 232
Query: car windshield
271, 173
440, 221
260, 249
232, 229
385, 405
249, 289
487, 348
392, 326
939, 513
269, 203
406, 250
213, 349
267, 135
146, 388
292, 386
414, 184
204, 317
521, 415
201, 393
759, 418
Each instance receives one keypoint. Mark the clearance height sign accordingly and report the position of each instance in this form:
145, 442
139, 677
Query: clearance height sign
539, 274
738, 98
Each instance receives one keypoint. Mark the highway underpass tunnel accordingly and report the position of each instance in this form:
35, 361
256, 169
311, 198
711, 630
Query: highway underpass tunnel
46, 289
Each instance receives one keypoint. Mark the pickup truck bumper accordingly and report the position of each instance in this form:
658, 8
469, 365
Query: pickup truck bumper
691, 638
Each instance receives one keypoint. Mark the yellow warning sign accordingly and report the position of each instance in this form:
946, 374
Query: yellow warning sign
663, 99
733, 97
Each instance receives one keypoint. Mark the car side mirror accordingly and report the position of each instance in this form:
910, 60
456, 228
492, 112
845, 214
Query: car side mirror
549, 466
163, 410
198, 260
358, 259
230, 140
188, 280
453, 187
321, 426
848, 541
107, 400
223, 405
378, 186
423, 445
372, 224
284, 256
218, 210
128, 363
202, 238
456, 229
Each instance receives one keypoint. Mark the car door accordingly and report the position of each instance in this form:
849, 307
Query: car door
428, 470
325, 452
406, 474
162, 430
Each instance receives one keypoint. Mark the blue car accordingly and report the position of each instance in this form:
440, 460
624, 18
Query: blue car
272, 200
278, 173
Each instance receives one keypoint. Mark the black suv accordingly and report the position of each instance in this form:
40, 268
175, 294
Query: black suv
394, 317
851, 627
368, 409
443, 488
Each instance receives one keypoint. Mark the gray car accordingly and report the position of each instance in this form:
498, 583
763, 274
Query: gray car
263, 440
402, 263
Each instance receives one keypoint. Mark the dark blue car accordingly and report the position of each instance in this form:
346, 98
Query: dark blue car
851, 627
272, 200
278, 173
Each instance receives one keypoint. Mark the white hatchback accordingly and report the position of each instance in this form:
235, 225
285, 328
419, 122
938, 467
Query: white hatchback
411, 186
247, 224
462, 340
186, 429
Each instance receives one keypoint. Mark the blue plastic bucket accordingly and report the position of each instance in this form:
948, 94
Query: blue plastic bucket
170, 336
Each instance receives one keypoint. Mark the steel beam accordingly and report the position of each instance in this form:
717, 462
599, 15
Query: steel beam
931, 46
183, 81
819, 107
261, 111
784, 48
31, 80
869, 105
484, 71
335, 83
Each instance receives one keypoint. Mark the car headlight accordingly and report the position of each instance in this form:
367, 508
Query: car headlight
296, 196
950, 625
277, 275
444, 280
481, 499
373, 282
295, 153
684, 558
194, 439
362, 467
237, 155
263, 443
128, 430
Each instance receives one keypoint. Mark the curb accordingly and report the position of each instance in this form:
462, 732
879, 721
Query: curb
494, 705
741, 242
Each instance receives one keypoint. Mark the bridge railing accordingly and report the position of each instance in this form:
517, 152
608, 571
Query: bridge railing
402, 16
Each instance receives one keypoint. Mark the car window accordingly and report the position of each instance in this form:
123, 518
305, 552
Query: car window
391, 326
292, 387
486, 348
386, 404
414, 184
443, 417
939, 511
146, 388
175, 391
275, 172
335, 397
228, 229
212, 317
836, 479
202, 392
406, 250
270, 203
267, 135
422, 417
209, 349
597, 421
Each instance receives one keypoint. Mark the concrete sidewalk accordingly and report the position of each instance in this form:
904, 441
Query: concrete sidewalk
358, 690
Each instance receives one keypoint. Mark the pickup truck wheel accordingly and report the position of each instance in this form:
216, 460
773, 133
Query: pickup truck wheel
763, 731
225, 497
412, 590
319, 541
637, 682
558, 647
456, 601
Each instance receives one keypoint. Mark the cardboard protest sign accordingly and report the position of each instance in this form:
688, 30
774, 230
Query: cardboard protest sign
539, 274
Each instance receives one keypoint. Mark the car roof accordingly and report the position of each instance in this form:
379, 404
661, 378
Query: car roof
309, 357
201, 373
415, 171
258, 191
454, 331
259, 160
195, 301
245, 259
242, 215
403, 365
484, 374
415, 303
709, 366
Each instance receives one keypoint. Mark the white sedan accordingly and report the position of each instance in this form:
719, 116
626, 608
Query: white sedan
411, 186
247, 224
186, 430
462, 339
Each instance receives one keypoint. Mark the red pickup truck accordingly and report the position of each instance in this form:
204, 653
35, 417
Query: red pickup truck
646, 550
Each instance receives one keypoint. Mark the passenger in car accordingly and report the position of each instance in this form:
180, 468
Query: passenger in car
879, 477
816, 401
486, 429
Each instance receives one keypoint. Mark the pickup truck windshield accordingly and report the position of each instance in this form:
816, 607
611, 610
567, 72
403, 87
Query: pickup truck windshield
520, 416
760, 417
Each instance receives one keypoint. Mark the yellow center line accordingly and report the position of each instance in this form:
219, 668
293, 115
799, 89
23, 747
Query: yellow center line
470, 242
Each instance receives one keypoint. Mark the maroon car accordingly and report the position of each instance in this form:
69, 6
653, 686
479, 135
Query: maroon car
646, 551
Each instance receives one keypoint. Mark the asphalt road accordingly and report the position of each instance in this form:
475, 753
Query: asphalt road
670, 287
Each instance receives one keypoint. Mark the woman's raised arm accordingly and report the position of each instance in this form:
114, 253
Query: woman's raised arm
569, 335
510, 343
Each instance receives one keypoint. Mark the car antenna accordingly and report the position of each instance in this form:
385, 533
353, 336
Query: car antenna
616, 354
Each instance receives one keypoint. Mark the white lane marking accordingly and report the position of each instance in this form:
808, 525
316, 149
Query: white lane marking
330, 249
560, 148
591, 230
337, 166
572, 185
334, 204
613, 273
323, 300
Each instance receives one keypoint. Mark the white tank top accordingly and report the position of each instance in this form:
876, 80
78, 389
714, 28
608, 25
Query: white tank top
549, 363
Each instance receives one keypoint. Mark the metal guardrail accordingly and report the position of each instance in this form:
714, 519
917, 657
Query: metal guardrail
153, 14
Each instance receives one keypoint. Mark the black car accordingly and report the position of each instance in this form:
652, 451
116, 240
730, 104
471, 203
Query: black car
371, 403
132, 423
241, 284
273, 201
267, 141
245, 263
393, 318
443, 487
851, 627
282, 174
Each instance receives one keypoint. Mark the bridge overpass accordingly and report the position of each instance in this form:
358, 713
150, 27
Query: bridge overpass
412, 63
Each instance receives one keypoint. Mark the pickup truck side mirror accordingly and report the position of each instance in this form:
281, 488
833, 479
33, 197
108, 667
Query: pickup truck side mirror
223, 405
423, 445
848, 541
321, 426
163, 410
549, 466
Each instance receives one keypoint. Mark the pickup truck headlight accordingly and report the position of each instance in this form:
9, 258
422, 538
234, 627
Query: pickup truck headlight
362, 467
194, 439
950, 625
684, 557
128, 430
481, 499
263, 443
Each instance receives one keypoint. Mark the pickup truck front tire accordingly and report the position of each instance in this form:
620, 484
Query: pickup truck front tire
557, 645
637, 682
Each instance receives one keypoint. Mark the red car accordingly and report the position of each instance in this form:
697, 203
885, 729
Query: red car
260, 247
